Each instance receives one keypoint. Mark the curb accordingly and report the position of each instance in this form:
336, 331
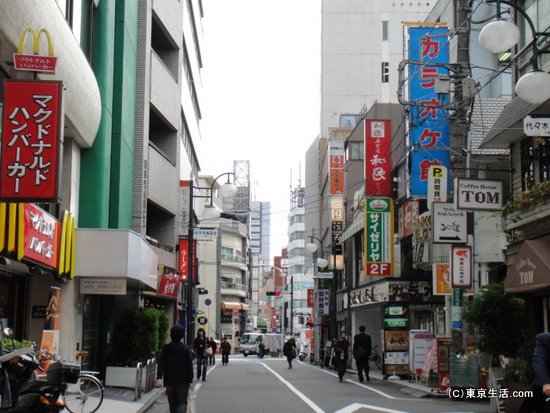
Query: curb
149, 403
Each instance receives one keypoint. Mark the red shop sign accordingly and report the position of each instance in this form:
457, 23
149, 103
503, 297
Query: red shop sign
378, 180
38, 239
169, 282
183, 260
31, 129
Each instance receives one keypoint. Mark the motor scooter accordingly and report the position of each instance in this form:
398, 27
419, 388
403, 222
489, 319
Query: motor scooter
20, 391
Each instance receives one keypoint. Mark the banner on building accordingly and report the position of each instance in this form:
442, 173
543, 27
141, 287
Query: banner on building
310, 297
428, 120
168, 281
32, 124
378, 179
323, 301
379, 237
336, 167
407, 213
50, 332
183, 260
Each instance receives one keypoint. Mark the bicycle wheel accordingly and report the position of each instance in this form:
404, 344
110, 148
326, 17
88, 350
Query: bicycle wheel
85, 396
377, 360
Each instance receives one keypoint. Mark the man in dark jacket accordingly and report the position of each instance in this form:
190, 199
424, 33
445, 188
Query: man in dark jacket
226, 351
176, 368
362, 347
541, 370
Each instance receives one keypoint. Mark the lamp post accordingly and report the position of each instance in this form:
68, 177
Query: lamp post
228, 190
501, 35
317, 262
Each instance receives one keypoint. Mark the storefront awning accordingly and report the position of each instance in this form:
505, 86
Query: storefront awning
356, 226
530, 271
235, 305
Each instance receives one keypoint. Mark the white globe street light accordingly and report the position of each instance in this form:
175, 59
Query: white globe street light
534, 87
499, 36
311, 247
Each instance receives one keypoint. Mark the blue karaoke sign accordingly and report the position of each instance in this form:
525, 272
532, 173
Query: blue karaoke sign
428, 122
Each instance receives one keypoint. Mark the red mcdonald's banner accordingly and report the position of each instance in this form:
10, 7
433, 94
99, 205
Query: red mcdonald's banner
378, 180
31, 128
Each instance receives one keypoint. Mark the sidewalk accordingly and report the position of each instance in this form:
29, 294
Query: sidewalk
122, 400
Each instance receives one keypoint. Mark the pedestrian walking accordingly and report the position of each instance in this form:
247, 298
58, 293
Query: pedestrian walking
541, 370
289, 350
362, 347
341, 355
226, 351
175, 370
200, 344
261, 349
213, 345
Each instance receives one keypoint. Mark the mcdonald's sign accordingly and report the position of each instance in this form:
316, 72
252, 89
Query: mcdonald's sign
33, 236
32, 124
35, 62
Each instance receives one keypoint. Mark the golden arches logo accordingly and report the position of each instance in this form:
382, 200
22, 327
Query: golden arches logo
35, 41
35, 62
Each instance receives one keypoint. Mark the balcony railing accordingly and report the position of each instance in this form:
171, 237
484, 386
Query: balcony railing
232, 286
234, 258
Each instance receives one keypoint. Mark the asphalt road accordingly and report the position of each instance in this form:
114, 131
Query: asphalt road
268, 386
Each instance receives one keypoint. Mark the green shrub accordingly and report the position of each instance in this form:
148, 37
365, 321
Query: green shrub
495, 315
137, 336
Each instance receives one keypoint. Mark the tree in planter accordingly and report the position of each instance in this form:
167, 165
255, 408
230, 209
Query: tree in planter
135, 337
500, 321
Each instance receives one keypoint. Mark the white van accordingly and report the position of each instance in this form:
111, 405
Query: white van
249, 343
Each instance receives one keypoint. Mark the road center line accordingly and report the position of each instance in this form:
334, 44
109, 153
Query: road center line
298, 393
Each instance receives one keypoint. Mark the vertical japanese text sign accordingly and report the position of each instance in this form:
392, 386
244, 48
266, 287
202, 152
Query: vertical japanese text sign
378, 180
31, 129
183, 260
336, 167
379, 237
428, 121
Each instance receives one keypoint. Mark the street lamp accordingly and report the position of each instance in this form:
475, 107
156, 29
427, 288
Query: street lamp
318, 261
501, 35
227, 190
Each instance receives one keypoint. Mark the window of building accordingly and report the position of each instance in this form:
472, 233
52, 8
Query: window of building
385, 72
527, 164
356, 151
385, 29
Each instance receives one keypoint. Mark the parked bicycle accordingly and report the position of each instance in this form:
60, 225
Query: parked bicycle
375, 357
86, 395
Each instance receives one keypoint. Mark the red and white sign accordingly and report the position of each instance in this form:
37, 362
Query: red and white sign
31, 129
310, 298
461, 266
183, 260
169, 281
35, 62
378, 179
336, 167
408, 212
41, 234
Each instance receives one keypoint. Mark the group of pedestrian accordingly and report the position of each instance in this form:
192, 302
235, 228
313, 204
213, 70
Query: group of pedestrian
175, 365
362, 347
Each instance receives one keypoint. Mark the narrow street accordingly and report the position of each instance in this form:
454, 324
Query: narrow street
268, 386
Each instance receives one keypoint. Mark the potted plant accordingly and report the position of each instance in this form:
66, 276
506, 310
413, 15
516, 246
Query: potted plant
138, 335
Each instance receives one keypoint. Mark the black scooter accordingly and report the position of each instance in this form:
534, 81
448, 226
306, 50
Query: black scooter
20, 391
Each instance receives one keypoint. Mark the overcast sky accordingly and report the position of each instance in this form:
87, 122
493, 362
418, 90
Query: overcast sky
261, 80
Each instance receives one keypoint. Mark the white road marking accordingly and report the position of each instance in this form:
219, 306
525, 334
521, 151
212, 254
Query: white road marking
380, 392
356, 406
298, 393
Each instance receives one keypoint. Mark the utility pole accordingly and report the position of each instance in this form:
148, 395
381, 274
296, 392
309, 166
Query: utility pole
460, 142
